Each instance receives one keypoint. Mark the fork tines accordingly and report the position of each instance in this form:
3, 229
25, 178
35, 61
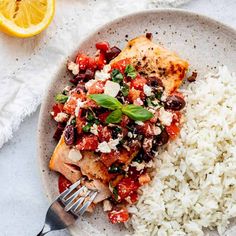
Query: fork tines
74, 197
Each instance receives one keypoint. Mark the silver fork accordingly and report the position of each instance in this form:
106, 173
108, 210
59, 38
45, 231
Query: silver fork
68, 206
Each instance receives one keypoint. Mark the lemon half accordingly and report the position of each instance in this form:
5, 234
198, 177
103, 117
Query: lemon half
25, 18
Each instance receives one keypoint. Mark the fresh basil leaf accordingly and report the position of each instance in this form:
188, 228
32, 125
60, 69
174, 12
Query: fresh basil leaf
137, 112
106, 101
130, 71
125, 90
61, 98
116, 76
114, 117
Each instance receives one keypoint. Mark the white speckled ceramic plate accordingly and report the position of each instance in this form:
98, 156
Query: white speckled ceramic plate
204, 42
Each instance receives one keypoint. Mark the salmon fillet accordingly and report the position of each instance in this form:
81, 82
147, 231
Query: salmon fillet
153, 60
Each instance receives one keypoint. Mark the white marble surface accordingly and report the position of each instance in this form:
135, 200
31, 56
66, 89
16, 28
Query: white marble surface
19, 174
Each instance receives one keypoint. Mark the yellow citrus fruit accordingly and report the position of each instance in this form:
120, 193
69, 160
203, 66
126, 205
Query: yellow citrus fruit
25, 18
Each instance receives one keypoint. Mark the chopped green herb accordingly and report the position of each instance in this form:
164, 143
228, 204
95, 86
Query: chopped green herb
61, 98
87, 127
130, 71
117, 129
138, 159
116, 76
115, 193
90, 116
73, 122
149, 102
158, 95
97, 122
116, 169
125, 90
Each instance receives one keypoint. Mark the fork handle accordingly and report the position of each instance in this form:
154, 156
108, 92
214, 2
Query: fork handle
44, 231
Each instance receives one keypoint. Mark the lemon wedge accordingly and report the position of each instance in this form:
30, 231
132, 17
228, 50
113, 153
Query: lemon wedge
25, 18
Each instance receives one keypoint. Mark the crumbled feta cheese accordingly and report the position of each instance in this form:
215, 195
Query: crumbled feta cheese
165, 116
147, 90
111, 88
138, 102
52, 113
150, 164
73, 67
156, 130
152, 110
94, 129
128, 199
74, 155
164, 96
138, 166
107, 205
130, 135
102, 76
106, 68
67, 88
104, 147
89, 83
137, 122
79, 105
61, 117
113, 143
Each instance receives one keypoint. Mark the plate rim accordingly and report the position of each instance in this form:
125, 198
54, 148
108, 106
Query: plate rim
189, 13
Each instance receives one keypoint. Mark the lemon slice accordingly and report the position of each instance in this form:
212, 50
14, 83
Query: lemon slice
25, 18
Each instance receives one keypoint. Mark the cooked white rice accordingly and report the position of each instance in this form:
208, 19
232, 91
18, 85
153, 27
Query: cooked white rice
195, 183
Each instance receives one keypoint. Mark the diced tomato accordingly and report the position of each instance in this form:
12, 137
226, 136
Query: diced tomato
104, 133
138, 83
147, 129
87, 143
70, 105
133, 197
121, 65
126, 187
80, 122
92, 65
97, 87
176, 116
82, 60
155, 117
103, 46
102, 117
133, 173
124, 121
57, 108
173, 130
90, 103
109, 158
133, 94
118, 215
101, 61
63, 183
